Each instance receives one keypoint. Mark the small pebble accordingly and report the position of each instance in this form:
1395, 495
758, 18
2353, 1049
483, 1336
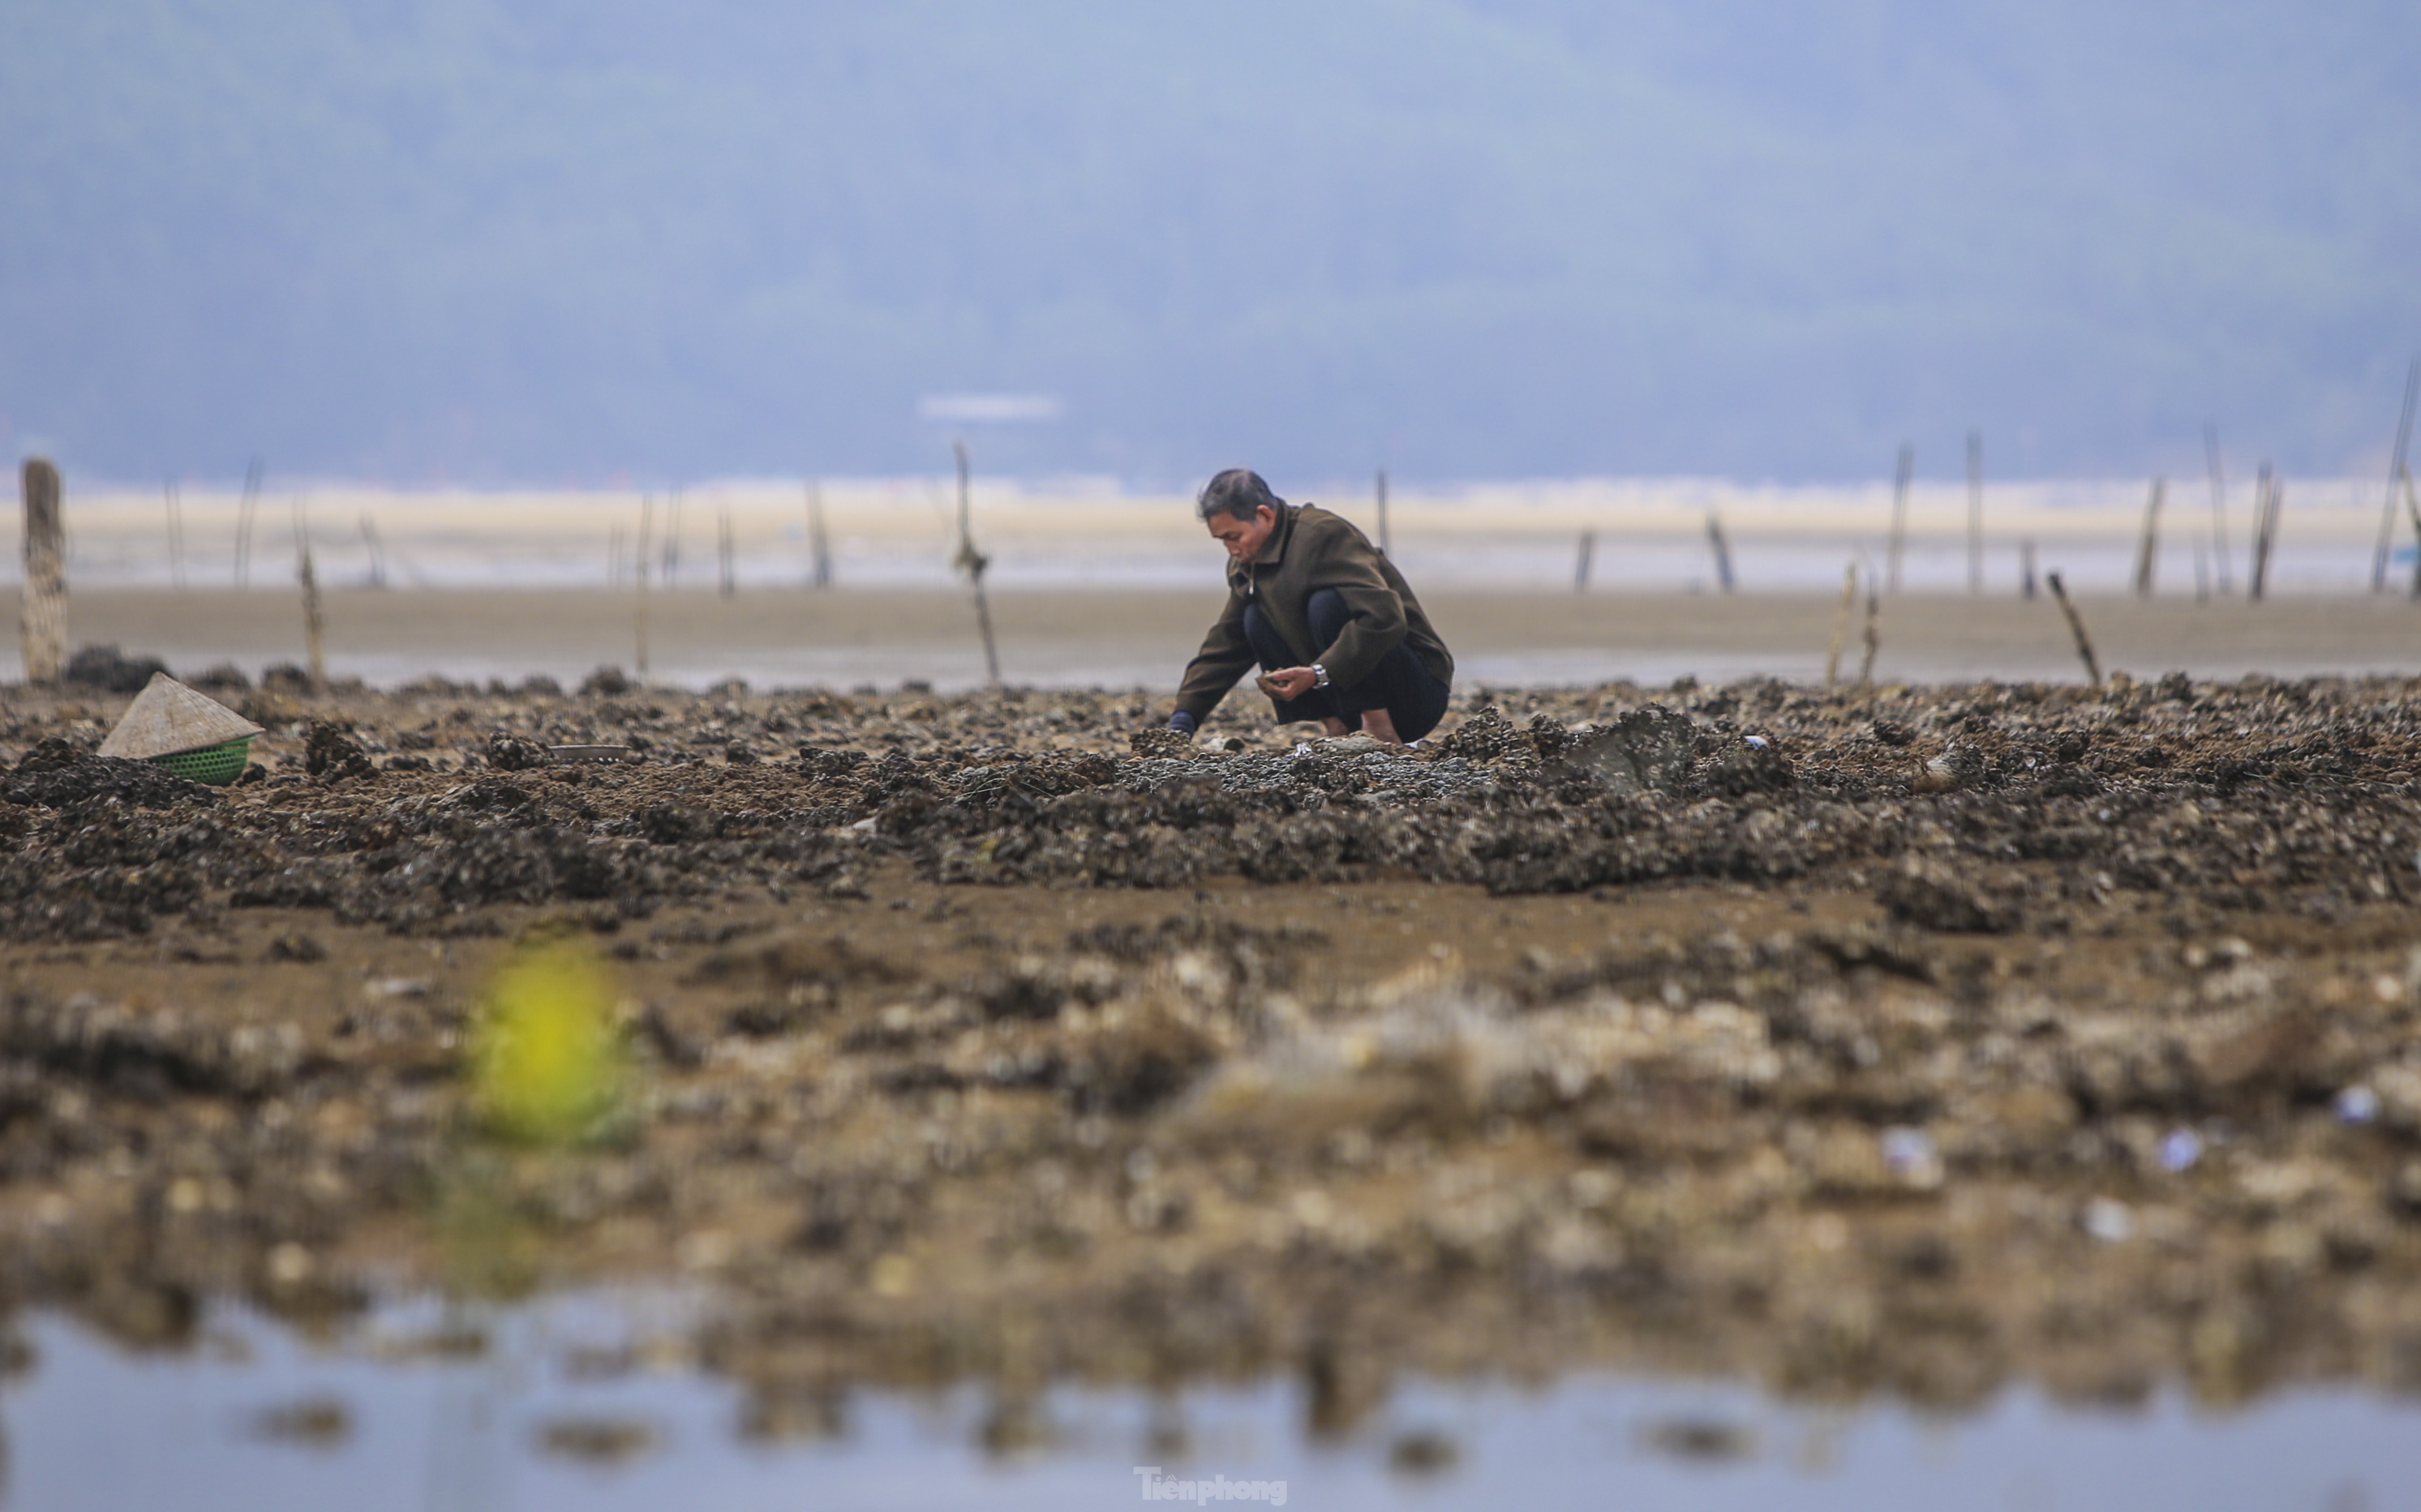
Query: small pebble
2108, 1219
2357, 1105
2181, 1149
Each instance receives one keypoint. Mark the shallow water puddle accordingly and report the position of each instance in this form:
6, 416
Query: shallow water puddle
587, 1402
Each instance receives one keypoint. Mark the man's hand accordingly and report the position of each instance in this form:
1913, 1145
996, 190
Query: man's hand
1289, 682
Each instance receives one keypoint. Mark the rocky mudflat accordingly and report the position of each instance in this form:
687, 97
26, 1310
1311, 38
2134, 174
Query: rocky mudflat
1907, 1040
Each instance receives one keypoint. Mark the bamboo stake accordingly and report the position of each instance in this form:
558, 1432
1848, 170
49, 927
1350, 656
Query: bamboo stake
2076, 628
42, 610
1723, 550
315, 627
176, 537
723, 543
2394, 471
816, 540
1975, 512
2218, 507
245, 509
2148, 549
1841, 625
1899, 518
1581, 563
972, 562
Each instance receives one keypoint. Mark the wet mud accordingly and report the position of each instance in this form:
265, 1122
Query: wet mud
1905, 1041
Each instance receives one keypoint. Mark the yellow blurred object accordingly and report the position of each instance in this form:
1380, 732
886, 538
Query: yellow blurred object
547, 1060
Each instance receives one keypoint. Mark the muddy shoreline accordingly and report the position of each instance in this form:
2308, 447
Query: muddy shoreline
1910, 1040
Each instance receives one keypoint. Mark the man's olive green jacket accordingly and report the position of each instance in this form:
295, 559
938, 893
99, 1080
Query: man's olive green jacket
1311, 549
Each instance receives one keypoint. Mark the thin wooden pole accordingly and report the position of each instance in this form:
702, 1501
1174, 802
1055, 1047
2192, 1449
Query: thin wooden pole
818, 540
1383, 541
315, 626
972, 563
1975, 512
2218, 507
640, 565
377, 549
1723, 550
1873, 640
2076, 628
672, 540
727, 568
1581, 561
2027, 570
176, 535
42, 609
1899, 517
1841, 625
2148, 549
2413, 507
2269, 494
2394, 471
245, 509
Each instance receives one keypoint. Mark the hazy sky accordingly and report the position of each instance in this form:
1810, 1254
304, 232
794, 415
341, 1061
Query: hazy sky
558, 239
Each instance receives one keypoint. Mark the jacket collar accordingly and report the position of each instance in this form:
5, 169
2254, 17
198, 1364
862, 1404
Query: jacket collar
1272, 550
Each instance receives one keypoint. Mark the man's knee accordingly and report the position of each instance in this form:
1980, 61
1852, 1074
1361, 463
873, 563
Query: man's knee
1327, 615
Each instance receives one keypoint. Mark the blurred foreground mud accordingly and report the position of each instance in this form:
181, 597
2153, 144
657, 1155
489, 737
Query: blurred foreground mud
1910, 1040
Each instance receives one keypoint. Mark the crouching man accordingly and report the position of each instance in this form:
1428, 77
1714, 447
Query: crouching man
1336, 629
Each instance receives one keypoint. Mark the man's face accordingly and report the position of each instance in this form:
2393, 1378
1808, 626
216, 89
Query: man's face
1243, 538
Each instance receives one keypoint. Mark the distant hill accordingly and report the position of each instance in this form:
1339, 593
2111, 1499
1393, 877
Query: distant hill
512, 242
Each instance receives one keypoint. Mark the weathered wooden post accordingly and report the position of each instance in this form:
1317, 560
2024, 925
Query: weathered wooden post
2394, 471
1581, 563
1975, 512
972, 562
2026, 569
1900, 517
2218, 507
1873, 639
2413, 507
245, 510
176, 537
2076, 628
377, 549
43, 612
639, 563
672, 540
2268, 495
726, 570
1382, 513
818, 540
1723, 550
2147, 549
1841, 625
315, 624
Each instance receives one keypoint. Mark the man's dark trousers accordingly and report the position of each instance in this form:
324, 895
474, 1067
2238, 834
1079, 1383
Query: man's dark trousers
1400, 684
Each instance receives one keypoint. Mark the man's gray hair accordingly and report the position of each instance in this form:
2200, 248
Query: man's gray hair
1239, 491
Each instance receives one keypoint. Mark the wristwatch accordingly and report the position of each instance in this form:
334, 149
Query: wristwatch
1318, 676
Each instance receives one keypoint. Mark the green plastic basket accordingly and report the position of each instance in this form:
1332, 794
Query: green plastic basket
217, 765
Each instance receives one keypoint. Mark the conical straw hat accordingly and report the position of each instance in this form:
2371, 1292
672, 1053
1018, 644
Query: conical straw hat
167, 717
